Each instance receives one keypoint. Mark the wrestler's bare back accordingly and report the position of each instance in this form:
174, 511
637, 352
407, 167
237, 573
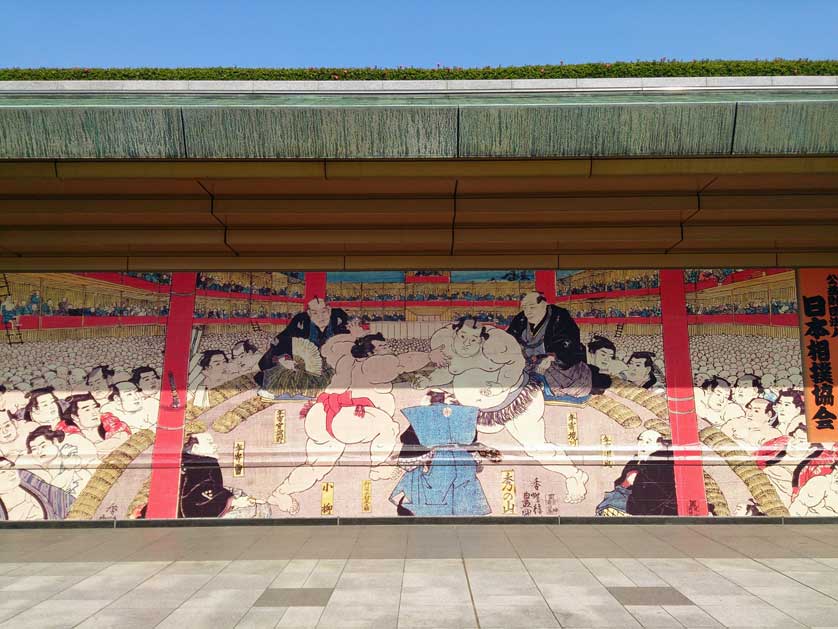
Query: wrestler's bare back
371, 377
367, 417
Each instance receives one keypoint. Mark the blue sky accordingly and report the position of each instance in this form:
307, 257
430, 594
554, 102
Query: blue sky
281, 33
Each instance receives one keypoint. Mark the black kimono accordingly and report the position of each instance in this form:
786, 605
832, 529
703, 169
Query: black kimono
556, 334
301, 327
653, 490
202, 490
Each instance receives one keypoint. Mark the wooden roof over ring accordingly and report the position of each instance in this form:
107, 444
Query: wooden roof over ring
615, 174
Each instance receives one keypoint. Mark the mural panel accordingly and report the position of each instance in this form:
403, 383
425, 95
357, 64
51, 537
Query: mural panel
426, 393
745, 355
81, 374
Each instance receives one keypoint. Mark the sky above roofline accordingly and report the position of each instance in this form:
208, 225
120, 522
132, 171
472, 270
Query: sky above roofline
426, 34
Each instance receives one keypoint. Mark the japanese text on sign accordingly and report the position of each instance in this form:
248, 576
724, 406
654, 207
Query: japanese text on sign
572, 429
279, 426
819, 327
507, 489
531, 504
327, 499
238, 459
607, 454
366, 496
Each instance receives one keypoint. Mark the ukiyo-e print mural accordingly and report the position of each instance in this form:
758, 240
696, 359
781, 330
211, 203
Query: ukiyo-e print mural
80, 375
427, 393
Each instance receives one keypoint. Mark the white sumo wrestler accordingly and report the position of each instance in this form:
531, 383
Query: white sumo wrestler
819, 496
485, 368
15, 502
756, 426
357, 407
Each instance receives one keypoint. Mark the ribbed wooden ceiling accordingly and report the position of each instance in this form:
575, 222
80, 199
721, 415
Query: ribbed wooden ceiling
588, 213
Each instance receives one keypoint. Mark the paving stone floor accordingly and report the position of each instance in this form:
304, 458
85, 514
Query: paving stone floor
406, 576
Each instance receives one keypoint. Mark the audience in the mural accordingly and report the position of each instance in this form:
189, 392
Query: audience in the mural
57, 461
12, 438
818, 495
369, 317
641, 371
65, 308
63, 414
576, 286
103, 429
427, 273
239, 313
17, 499
155, 278
763, 410
212, 282
777, 306
615, 312
694, 276
497, 318
756, 426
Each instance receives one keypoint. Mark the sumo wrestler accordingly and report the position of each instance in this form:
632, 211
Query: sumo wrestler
486, 368
356, 408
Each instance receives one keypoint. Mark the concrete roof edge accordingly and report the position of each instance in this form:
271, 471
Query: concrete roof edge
650, 84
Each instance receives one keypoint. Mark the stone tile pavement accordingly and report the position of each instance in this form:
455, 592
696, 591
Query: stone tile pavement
407, 576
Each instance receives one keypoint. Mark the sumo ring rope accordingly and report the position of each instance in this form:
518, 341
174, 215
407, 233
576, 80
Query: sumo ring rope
111, 469
755, 480
616, 410
140, 499
715, 497
106, 475
222, 393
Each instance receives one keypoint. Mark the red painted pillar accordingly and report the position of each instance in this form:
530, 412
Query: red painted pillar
168, 444
545, 283
689, 472
315, 286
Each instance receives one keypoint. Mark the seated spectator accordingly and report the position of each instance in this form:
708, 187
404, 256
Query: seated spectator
244, 357
57, 462
17, 501
98, 381
104, 430
640, 370
127, 403
148, 382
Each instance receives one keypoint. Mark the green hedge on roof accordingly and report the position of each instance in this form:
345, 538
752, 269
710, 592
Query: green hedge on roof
777, 67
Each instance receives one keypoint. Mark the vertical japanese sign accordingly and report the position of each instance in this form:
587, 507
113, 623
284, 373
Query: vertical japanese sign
327, 499
572, 430
279, 426
507, 490
818, 290
607, 453
238, 459
366, 496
